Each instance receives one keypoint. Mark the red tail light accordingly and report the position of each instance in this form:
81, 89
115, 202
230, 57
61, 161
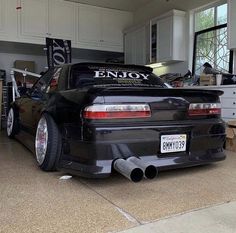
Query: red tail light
120, 111
203, 109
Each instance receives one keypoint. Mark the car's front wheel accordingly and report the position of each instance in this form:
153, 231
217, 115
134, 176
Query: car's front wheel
47, 143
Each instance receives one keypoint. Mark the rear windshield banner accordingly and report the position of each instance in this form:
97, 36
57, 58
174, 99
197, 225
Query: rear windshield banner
58, 51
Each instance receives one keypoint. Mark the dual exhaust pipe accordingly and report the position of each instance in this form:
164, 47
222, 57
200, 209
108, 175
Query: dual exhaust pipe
135, 169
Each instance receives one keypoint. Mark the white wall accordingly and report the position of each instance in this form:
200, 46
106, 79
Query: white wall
7, 61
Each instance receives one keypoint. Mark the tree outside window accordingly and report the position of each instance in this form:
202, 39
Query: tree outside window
210, 44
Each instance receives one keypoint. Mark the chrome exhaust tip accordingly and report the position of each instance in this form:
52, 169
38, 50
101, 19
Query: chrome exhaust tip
128, 169
149, 170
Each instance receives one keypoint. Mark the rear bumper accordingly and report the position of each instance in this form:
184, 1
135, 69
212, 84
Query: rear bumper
94, 156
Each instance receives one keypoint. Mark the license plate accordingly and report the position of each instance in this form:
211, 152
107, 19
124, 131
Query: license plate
173, 143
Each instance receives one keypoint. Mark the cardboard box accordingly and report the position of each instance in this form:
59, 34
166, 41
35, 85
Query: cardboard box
231, 136
207, 80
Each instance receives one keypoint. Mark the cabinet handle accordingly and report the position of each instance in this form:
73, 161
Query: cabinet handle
234, 92
234, 103
233, 113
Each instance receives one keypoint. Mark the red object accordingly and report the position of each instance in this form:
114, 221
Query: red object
116, 115
204, 112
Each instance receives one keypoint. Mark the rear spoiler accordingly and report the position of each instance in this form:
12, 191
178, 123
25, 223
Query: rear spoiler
160, 91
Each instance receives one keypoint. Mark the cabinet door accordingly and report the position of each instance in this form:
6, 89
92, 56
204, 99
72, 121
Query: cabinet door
231, 26
89, 25
34, 18
130, 48
113, 24
135, 46
140, 44
2, 16
164, 39
62, 18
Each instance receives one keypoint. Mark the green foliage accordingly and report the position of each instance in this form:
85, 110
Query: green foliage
204, 19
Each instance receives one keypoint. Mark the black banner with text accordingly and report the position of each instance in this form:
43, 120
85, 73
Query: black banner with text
58, 51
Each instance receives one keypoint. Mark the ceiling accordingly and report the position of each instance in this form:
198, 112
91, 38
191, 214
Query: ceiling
127, 5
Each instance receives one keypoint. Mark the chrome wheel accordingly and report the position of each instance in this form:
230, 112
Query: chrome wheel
41, 141
10, 122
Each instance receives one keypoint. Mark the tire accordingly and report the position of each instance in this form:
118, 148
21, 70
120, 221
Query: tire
47, 143
12, 123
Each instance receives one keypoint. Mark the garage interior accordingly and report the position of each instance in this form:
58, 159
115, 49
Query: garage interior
175, 38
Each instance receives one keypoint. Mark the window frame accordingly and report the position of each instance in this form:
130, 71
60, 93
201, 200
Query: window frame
47, 77
231, 55
212, 5
215, 27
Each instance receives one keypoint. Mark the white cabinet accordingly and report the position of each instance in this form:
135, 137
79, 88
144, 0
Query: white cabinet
47, 18
2, 17
231, 25
86, 26
136, 46
113, 24
171, 36
8, 20
89, 25
163, 39
101, 28
62, 19
33, 21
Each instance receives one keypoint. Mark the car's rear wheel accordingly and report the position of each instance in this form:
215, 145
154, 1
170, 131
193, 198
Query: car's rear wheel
47, 143
12, 123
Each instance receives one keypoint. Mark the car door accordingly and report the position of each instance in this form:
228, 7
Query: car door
40, 97
32, 103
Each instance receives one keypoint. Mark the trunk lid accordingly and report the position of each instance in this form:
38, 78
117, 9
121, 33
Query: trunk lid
166, 104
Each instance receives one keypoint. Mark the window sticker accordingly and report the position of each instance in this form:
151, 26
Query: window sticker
120, 74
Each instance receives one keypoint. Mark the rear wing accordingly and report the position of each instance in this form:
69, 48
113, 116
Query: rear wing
15, 92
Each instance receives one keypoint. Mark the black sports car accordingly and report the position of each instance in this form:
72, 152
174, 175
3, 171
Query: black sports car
91, 118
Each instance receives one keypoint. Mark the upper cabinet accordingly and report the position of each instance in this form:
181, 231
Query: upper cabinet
2, 17
231, 25
113, 24
8, 20
168, 40
102, 28
88, 27
136, 45
62, 19
163, 39
47, 18
33, 19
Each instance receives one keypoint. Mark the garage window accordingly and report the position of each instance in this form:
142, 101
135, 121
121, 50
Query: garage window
210, 42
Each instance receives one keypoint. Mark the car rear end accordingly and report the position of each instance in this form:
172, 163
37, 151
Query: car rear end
161, 127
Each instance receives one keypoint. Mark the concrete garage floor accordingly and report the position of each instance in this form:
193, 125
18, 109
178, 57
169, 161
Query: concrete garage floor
35, 201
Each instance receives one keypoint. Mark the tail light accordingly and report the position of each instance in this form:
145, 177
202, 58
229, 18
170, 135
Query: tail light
120, 111
203, 109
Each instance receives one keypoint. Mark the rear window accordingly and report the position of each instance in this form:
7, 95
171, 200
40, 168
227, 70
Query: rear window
112, 76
